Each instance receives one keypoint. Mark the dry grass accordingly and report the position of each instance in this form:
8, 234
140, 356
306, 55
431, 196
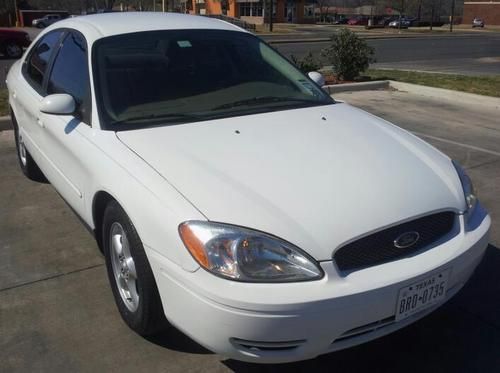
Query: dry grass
482, 85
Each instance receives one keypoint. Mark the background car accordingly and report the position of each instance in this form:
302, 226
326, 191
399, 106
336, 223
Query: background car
358, 21
405, 23
341, 21
12, 42
477, 22
46, 20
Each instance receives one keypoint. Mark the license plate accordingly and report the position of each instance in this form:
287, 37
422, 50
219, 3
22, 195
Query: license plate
422, 294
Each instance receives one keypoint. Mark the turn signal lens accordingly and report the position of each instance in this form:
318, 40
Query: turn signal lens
468, 188
193, 244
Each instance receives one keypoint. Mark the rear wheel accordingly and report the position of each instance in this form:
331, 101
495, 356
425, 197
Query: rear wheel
28, 165
130, 275
13, 50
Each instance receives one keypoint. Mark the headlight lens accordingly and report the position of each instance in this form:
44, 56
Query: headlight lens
469, 192
246, 255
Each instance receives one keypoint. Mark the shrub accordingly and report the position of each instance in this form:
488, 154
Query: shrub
348, 54
307, 64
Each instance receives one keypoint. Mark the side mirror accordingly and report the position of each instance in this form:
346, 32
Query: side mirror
317, 78
58, 104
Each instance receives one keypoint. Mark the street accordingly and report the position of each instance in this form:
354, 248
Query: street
476, 54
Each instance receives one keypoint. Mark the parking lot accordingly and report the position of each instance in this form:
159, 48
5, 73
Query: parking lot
57, 312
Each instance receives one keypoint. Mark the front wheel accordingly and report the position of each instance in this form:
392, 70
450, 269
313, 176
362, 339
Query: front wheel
130, 275
40, 25
13, 50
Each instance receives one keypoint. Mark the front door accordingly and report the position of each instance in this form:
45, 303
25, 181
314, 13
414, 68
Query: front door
65, 136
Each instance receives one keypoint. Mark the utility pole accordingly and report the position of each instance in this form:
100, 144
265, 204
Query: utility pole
17, 15
267, 13
163, 6
271, 3
400, 14
432, 15
452, 15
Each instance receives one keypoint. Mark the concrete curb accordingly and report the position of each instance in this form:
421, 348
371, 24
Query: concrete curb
447, 94
291, 41
352, 87
5, 123
421, 90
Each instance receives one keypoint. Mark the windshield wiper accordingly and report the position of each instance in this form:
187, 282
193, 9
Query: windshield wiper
263, 100
155, 117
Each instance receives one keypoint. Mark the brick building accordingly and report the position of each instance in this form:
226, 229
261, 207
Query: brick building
489, 11
296, 11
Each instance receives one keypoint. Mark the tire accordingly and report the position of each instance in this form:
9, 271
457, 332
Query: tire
28, 166
13, 50
130, 275
40, 25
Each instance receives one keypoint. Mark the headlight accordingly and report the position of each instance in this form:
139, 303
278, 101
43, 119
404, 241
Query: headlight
469, 192
246, 255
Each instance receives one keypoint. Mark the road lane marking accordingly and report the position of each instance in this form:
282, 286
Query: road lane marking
420, 134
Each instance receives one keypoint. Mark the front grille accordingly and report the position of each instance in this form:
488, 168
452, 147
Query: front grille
379, 247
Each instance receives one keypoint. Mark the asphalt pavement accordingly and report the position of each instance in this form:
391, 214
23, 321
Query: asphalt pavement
469, 54
57, 312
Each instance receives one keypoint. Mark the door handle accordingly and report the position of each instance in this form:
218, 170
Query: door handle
14, 94
40, 123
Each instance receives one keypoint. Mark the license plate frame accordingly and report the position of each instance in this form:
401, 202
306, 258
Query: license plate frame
422, 294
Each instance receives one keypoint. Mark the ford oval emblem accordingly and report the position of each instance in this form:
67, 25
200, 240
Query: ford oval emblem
406, 239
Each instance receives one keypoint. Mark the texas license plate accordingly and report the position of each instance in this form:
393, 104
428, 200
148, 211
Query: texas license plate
422, 294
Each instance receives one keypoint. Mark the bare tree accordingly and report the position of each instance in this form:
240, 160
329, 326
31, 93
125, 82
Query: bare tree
324, 6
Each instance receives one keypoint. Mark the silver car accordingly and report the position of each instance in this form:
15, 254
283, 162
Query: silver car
46, 20
477, 22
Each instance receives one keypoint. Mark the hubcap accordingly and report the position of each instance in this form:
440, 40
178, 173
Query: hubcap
22, 148
13, 50
123, 267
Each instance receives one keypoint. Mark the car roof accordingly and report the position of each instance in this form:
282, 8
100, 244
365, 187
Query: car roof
108, 24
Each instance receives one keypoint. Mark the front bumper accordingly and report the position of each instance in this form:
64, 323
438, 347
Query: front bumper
275, 323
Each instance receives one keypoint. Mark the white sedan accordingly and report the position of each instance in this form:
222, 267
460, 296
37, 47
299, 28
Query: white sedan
234, 198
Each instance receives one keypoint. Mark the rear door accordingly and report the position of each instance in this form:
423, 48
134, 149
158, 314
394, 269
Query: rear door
29, 91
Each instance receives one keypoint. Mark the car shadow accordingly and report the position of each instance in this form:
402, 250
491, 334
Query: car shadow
175, 340
461, 336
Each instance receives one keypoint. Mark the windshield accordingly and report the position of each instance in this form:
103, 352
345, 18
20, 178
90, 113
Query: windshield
176, 76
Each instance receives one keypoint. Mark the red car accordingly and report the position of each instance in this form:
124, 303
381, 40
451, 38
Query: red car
12, 42
358, 21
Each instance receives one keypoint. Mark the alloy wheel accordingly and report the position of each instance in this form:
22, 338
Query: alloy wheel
123, 267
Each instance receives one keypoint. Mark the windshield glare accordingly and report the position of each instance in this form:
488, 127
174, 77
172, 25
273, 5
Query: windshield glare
175, 76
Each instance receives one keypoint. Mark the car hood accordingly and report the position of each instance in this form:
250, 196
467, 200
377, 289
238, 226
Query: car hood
317, 177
